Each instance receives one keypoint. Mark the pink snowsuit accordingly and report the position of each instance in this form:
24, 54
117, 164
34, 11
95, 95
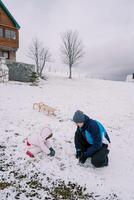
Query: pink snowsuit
37, 142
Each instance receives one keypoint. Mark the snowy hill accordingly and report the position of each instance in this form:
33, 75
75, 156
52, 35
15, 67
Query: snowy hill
110, 102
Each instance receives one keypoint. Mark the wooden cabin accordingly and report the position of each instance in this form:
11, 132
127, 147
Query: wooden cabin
9, 34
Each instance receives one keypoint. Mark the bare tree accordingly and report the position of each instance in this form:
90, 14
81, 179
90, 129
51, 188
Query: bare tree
71, 49
39, 54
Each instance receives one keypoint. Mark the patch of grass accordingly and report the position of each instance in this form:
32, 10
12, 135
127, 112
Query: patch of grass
17, 175
71, 191
63, 192
4, 185
6, 166
34, 184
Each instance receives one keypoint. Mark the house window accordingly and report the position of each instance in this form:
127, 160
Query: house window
10, 34
13, 35
7, 34
5, 54
1, 32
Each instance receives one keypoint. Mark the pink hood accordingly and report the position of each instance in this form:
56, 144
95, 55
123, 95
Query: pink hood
45, 133
39, 139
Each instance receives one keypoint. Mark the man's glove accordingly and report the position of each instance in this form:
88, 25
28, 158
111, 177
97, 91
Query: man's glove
78, 154
82, 158
52, 152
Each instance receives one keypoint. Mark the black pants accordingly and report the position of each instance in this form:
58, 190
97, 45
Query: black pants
99, 158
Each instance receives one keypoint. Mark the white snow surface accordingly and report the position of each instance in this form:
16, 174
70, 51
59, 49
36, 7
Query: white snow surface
112, 103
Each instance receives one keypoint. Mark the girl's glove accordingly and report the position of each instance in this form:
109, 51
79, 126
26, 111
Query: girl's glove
52, 152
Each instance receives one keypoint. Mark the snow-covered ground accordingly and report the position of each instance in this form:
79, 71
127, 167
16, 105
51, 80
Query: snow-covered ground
110, 102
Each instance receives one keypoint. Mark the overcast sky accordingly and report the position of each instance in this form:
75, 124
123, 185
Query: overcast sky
106, 28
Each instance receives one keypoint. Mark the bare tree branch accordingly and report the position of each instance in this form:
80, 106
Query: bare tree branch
71, 49
39, 54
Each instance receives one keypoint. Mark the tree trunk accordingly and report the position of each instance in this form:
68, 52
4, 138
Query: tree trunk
70, 71
41, 69
40, 73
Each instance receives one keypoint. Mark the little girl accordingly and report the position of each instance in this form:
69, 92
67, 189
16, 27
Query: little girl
37, 143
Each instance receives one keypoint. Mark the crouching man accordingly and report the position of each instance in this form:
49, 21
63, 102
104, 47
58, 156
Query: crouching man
89, 140
39, 142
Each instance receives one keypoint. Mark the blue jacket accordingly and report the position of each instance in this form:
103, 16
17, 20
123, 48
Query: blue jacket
93, 132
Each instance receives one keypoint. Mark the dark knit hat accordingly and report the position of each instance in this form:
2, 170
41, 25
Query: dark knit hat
79, 117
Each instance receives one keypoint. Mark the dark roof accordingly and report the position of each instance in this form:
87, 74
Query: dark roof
9, 14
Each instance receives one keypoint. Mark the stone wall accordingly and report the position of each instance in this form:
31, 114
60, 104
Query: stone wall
20, 71
4, 71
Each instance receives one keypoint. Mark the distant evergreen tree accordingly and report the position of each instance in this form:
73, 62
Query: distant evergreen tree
34, 78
